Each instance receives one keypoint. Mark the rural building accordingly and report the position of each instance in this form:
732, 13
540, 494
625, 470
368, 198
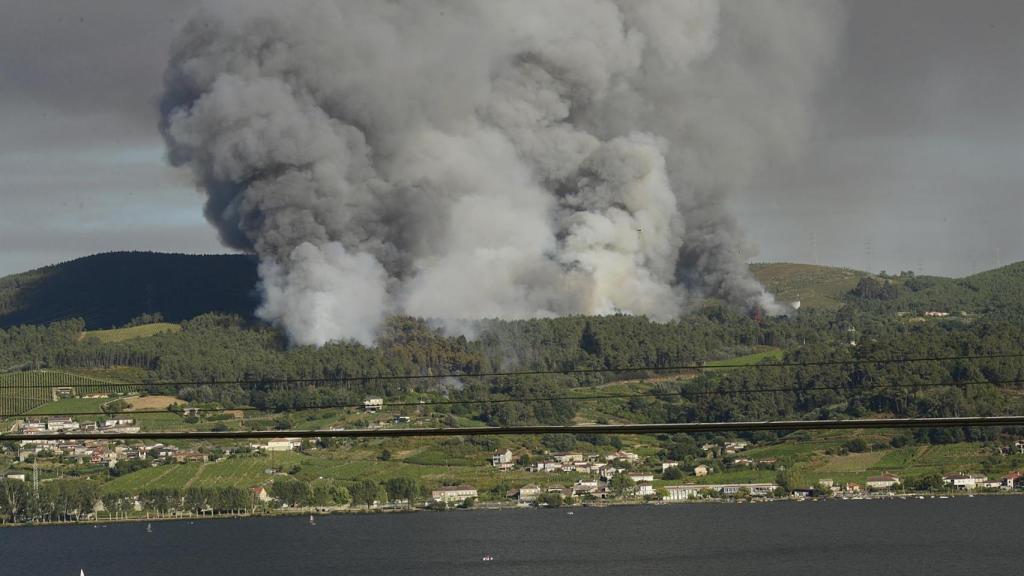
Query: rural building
454, 493
641, 477
734, 447
18, 477
63, 392
568, 457
31, 425
502, 460
964, 481
669, 464
623, 455
701, 470
59, 423
882, 482
259, 494
644, 490
690, 491
279, 445
373, 404
582, 487
116, 422
1012, 480
527, 493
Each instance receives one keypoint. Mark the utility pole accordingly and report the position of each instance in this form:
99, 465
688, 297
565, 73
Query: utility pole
35, 483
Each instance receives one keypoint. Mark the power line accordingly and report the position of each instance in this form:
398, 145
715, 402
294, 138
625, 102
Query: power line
675, 428
529, 399
700, 367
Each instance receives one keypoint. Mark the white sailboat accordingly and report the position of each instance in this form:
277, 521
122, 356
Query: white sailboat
312, 521
149, 528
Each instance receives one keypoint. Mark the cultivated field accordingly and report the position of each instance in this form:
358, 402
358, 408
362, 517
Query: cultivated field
150, 402
24, 391
131, 333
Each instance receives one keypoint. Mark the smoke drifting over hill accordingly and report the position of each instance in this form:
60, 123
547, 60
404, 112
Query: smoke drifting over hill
508, 159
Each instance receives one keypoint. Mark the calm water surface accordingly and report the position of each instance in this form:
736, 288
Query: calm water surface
955, 536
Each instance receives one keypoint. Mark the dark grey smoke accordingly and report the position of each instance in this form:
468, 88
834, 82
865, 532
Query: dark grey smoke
489, 159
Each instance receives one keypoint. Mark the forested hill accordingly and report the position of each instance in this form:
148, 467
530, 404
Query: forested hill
997, 292
111, 289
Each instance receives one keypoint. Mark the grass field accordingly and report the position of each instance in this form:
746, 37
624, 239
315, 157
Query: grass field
67, 405
122, 334
814, 286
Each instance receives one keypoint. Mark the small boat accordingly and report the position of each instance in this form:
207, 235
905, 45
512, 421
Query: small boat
568, 513
149, 528
312, 521
488, 558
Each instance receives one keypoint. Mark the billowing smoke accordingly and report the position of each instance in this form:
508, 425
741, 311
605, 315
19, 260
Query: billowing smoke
494, 158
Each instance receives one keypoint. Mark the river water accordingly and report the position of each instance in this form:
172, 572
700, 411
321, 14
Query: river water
959, 536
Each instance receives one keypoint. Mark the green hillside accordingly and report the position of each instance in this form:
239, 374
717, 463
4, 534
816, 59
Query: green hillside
997, 292
814, 286
994, 291
111, 289
131, 332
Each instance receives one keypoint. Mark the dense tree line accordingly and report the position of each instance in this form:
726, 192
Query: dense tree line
226, 348
57, 500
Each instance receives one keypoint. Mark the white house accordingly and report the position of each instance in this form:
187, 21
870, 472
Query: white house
61, 423
373, 404
701, 470
964, 481
623, 455
567, 457
641, 477
116, 422
644, 490
690, 491
528, 493
454, 493
502, 460
280, 445
669, 464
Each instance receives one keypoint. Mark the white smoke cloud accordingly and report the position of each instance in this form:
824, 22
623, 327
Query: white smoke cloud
499, 158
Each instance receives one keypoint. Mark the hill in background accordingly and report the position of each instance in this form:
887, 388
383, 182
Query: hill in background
814, 286
111, 289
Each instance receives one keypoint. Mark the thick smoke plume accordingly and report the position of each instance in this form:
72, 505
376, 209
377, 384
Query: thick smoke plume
493, 158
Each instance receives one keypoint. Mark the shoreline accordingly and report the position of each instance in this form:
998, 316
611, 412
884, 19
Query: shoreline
320, 512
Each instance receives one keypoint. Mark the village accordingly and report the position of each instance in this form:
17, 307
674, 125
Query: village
595, 478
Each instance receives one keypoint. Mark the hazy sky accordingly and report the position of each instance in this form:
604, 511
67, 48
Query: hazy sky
916, 159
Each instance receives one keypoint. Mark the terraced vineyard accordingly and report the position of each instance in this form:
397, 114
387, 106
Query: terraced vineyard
23, 391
